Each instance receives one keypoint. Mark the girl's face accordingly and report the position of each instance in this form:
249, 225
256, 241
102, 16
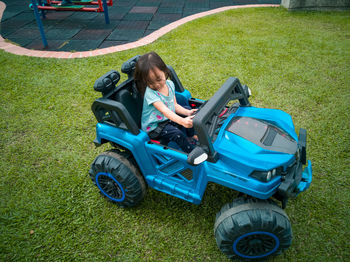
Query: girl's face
156, 79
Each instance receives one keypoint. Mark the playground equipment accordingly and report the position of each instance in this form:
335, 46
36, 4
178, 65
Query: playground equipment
81, 6
76, 6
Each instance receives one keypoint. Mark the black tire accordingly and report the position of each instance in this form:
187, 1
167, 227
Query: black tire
252, 229
118, 179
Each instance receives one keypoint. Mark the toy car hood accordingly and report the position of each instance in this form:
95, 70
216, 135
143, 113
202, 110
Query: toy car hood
264, 135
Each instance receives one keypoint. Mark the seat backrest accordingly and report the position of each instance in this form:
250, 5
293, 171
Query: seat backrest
128, 95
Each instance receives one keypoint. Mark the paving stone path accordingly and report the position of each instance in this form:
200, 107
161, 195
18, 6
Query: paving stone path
132, 23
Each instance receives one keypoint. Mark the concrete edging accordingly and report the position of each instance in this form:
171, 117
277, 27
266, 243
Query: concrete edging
18, 50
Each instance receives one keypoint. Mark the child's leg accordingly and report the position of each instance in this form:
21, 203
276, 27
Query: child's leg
190, 131
172, 133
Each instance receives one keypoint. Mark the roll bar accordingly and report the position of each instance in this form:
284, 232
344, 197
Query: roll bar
206, 119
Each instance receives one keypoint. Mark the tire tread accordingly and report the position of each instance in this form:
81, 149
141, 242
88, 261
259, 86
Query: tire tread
124, 168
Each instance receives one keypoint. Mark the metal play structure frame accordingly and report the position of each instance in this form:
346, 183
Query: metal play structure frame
77, 6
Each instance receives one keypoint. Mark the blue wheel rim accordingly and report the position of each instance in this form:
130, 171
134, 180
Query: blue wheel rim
257, 244
110, 187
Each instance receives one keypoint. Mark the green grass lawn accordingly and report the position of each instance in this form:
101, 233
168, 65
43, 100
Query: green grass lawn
50, 211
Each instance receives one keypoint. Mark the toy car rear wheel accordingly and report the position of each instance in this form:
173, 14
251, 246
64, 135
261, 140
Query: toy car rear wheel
252, 229
118, 178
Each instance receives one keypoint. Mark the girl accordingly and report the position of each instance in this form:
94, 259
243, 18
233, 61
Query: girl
161, 114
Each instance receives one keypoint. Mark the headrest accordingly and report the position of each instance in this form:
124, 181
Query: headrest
128, 67
107, 82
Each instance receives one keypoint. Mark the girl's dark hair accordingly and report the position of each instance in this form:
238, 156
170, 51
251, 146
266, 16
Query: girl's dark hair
144, 65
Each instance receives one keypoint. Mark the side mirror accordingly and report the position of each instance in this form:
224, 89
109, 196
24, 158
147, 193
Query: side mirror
197, 156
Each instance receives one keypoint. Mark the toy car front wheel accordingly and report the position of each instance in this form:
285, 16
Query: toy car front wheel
252, 229
117, 178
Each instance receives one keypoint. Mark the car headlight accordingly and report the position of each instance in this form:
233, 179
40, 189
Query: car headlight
266, 176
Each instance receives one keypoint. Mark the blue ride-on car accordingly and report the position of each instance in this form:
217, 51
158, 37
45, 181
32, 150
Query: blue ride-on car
254, 151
